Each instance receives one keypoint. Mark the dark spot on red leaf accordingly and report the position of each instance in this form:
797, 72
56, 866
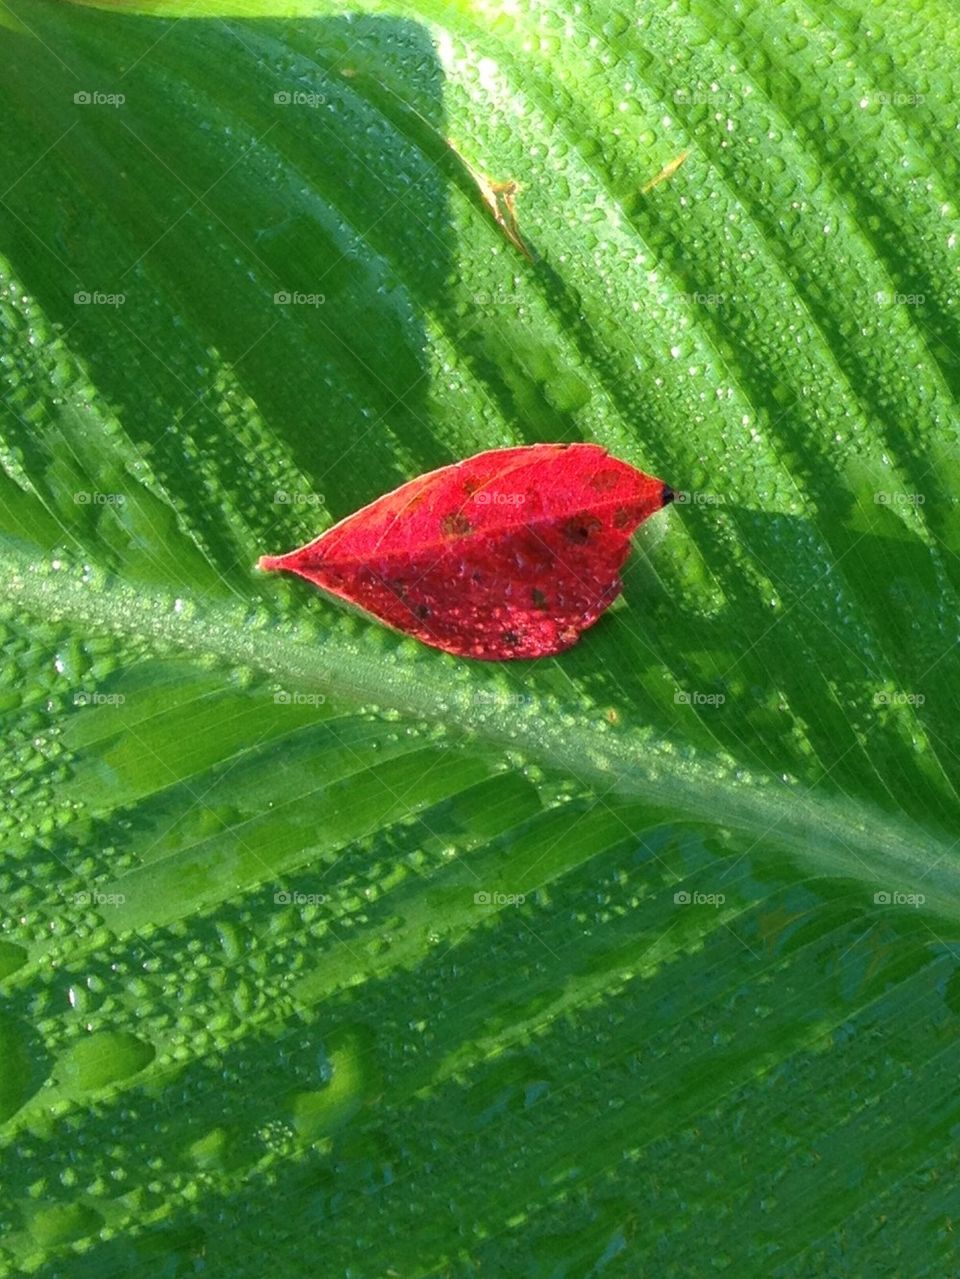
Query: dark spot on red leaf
510, 637
455, 525
605, 480
581, 528
621, 517
539, 599
422, 611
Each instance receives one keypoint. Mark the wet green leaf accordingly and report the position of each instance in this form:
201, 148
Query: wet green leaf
326, 953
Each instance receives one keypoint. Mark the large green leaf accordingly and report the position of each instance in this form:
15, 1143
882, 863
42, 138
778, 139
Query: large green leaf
326, 953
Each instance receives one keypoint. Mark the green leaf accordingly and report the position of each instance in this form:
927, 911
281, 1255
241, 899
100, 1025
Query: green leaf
324, 952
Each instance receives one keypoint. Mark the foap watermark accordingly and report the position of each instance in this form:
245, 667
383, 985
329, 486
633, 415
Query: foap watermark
696, 298
98, 699
491, 697
683, 897
883, 98
283, 698
684, 497
484, 898
886, 297
695, 698
284, 498
893, 897
95, 98
898, 698
98, 298
284, 898
885, 498
298, 98
84, 498
293, 297
713, 96
490, 497
93, 897
498, 297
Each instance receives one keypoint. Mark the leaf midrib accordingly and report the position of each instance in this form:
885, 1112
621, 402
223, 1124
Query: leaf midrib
827, 833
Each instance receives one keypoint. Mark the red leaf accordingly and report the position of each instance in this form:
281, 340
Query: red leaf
511, 553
